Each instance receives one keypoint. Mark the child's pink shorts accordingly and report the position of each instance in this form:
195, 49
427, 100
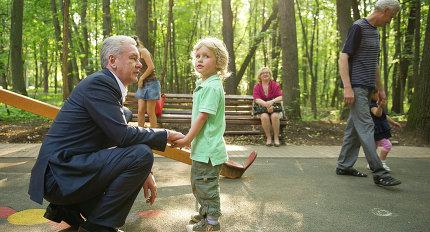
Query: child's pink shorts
385, 144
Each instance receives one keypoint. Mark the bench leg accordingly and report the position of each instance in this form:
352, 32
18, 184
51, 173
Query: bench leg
282, 135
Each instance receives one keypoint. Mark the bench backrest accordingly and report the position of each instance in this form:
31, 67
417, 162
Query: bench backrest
182, 104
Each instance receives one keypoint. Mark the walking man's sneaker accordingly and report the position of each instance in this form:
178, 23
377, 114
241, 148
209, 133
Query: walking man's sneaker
386, 181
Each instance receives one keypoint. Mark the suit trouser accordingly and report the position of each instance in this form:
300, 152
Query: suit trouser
108, 198
359, 131
205, 186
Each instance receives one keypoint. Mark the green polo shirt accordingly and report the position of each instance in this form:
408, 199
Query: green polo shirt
209, 144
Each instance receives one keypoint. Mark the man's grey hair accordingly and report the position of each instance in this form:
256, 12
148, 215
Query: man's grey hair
113, 46
384, 4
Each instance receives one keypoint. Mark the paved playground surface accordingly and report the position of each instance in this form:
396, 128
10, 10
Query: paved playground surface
288, 188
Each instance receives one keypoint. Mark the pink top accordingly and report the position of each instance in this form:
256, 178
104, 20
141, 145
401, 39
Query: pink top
274, 91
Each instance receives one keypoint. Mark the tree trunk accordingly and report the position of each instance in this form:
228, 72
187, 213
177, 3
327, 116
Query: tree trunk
86, 41
397, 104
407, 53
107, 19
3, 68
304, 58
187, 69
324, 93
344, 22
235, 82
355, 10
65, 50
174, 60
417, 43
55, 73
57, 33
276, 41
143, 9
252, 33
309, 55
228, 37
152, 27
45, 69
264, 46
419, 113
3, 65
166, 43
72, 64
17, 63
290, 73
36, 66
385, 58
410, 38
314, 86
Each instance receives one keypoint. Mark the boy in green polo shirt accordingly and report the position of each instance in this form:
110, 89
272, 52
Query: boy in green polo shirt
208, 150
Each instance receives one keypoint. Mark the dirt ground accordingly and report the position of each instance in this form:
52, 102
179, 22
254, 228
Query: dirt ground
298, 133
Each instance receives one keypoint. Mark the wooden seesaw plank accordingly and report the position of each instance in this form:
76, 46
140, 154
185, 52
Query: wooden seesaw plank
230, 169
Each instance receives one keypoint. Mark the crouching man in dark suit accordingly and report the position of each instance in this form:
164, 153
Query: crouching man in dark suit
91, 162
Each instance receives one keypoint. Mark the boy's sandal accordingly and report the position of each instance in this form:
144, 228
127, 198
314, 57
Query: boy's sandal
350, 172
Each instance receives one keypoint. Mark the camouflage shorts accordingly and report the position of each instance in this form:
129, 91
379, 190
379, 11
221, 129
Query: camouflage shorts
205, 186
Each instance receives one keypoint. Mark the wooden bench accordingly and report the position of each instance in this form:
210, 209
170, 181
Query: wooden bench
238, 113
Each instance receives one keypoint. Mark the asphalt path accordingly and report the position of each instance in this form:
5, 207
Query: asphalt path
275, 194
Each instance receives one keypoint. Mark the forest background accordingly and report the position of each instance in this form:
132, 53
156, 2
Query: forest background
48, 46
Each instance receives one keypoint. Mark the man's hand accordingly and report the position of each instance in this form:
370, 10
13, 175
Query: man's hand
397, 125
174, 135
382, 95
348, 95
150, 189
382, 102
180, 143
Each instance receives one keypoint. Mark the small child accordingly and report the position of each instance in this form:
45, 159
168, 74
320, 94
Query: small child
208, 149
382, 127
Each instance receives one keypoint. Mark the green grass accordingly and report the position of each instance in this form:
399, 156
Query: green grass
50, 97
323, 114
9, 114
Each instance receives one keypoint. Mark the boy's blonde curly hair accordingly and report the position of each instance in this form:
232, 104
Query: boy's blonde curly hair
219, 49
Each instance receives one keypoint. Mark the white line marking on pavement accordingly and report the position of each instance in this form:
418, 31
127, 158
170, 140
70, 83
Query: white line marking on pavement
381, 212
299, 166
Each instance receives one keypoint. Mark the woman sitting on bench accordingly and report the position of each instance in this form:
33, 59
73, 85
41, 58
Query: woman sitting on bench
267, 97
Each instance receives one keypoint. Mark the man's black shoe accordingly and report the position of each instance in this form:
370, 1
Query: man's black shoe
58, 213
350, 172
386, 181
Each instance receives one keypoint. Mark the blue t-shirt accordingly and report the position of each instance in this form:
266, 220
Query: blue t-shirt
382, 128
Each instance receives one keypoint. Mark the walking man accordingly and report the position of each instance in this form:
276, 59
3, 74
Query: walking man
360, 74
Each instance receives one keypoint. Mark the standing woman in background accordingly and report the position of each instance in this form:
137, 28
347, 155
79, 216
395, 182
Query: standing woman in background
148, 91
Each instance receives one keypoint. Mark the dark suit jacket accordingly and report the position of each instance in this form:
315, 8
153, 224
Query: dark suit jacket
90, 120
